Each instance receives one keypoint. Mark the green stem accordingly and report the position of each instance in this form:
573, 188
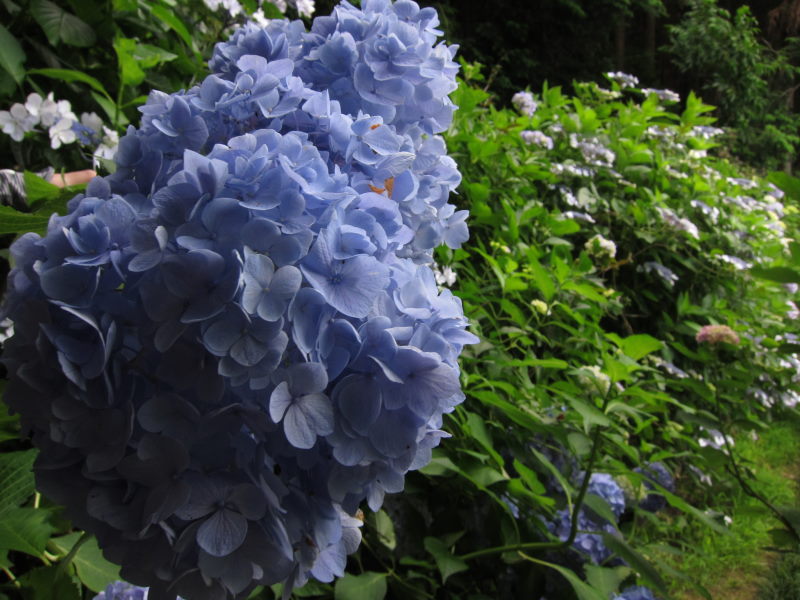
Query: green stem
62, 566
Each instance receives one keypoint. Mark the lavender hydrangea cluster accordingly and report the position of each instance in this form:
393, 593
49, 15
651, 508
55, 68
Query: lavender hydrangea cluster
120, 590
589, 541
658, 473
229, 344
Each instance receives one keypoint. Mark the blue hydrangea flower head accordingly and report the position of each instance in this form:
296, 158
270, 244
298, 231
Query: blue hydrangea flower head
235, 340
120, 590
658, 473
604, 485
636, 592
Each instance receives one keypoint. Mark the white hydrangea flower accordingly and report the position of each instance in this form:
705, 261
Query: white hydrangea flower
92, 121
17, 121
578, 216
108, 146
665, 273
44, 109
625, 80
678, 223
536, 137
593, 379
280, 5
524, 103
601, 247
62, 133
663, 95
445, 277
304, 7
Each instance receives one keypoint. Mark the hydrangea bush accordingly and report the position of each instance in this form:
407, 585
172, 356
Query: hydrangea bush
231, 342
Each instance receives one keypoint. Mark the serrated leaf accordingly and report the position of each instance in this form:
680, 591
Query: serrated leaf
61, 26
25, 530
12, 57
16, 479
72, 76
367, 586
50, 583
94, 571
14, 221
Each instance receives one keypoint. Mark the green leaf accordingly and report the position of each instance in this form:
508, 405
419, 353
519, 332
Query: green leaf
165, 14
61, 26
14, 221
447, 563
385, 529
367, 586
94, 571
529, 477
36, 188
544, 283
601, 508
544, 363
635, 560
72, 76
149, 56
778, 274
16, 479
12, 57
50, 583
583, 591
25, 530
117, 117
590, 414
639, 346
9, 424
606, 580
130, 73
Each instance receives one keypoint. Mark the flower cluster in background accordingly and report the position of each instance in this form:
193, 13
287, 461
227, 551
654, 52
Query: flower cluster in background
61, 124
235, 339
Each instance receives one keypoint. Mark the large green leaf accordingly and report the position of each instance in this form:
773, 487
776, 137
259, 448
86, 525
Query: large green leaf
16, 479
778, 274
61, 26
12, 57
72, 76
367, 586
26, 530
94, 571
14, 221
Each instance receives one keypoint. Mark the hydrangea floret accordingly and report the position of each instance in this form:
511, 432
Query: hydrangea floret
229, 344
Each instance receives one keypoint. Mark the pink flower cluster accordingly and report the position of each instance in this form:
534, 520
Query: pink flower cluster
714, 334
